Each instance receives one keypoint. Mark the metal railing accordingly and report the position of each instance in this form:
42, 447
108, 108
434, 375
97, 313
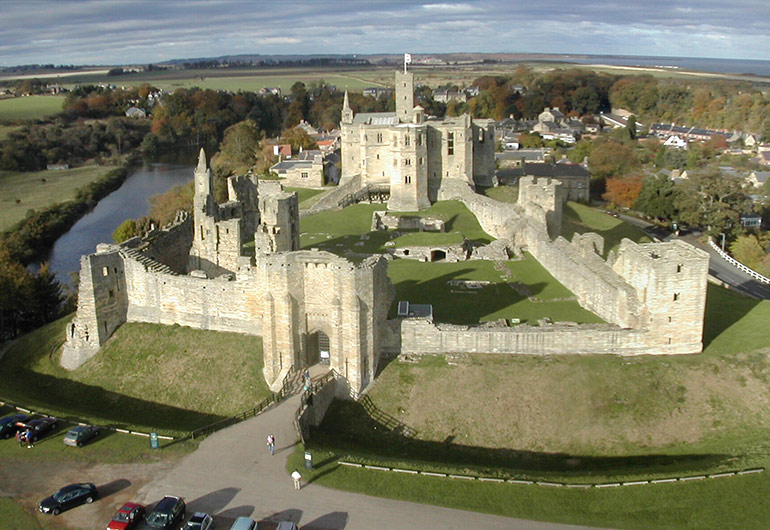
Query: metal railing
751, 272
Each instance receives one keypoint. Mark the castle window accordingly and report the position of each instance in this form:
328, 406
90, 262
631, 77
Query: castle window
676, 297
366, 138
406, 140
203, 236
408, 162
378, 156
670, 319
379, 138
105, 271
422, 160
679, 268
481, 136
419, 139
407, 179
304, 173
451, 143
112, 293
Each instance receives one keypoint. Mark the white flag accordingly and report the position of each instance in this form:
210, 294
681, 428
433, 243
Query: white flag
407, 58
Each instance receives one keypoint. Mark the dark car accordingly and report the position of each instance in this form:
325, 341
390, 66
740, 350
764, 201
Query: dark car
37, 428
169, 512
199, 521
69, 497
79, 435
127, 517
8, 425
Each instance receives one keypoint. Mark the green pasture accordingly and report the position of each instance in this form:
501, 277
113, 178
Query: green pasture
304, 194
23, 191
13, 516
29, 107
142, 378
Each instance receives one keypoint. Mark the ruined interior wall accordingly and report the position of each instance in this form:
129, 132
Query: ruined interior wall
170, 245
218, 305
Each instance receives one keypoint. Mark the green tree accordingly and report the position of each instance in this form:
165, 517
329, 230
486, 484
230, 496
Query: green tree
126, 230
712, 202
657, 197
298, 138
748, 251
238, 151
612, 159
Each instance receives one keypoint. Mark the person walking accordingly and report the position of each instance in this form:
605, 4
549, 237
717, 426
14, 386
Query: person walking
296, 477
271, 444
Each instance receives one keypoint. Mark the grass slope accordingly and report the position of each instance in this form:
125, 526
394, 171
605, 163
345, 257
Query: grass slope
303, 194
29, 107
5, 130
148, 376
24, 191
14, 517
577, 419
579, 218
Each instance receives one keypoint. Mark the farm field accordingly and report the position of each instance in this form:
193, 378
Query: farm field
24, 191
29, 107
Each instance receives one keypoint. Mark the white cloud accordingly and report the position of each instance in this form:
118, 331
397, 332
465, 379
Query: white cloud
278, 40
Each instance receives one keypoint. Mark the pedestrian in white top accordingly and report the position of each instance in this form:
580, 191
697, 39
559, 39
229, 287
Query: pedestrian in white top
297, 477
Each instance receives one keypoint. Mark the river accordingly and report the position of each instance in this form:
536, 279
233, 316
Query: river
130, 201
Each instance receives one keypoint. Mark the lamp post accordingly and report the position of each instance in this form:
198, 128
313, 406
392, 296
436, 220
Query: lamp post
723, 240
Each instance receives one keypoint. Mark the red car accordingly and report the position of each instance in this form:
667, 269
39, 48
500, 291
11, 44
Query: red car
128, 516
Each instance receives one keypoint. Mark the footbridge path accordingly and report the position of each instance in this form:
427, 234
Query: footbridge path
232, 474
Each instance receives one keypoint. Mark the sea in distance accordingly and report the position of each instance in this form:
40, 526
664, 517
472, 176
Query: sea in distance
702, 64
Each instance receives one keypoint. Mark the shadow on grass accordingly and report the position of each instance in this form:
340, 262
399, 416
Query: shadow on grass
573, 224
723, 309
463, 307
72, 400
349, 430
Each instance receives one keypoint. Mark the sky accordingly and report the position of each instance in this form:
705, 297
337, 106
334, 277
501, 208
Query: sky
111, 32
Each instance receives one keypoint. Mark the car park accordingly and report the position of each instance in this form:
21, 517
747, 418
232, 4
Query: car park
69, 497
80, 434
37, 428
168, 513
244, 523
200, 521
127, 517
9, 425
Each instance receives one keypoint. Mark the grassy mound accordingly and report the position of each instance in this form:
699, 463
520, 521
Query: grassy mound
576, 419
170, 378
578, 219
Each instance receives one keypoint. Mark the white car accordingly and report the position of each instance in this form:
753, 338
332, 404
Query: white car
199, 521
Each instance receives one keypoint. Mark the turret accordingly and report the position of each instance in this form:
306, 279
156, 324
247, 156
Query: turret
347, 112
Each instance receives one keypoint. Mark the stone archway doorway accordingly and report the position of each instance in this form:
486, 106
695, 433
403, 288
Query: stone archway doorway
437, 255
319, 349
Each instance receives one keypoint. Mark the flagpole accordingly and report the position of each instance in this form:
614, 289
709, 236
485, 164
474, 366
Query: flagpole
404, 63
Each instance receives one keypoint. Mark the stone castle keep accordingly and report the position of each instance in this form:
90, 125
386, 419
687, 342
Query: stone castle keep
237, 266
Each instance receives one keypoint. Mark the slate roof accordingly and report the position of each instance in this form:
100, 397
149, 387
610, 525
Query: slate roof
375, 118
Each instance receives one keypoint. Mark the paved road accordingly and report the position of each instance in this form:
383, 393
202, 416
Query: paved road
232, 474
718, 267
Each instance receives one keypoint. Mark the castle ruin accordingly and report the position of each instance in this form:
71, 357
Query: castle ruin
237, 266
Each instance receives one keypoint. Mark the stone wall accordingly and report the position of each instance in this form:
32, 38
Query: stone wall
420, 336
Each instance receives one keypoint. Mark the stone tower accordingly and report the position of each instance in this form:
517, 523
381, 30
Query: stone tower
404, 95
347, 112
409, 175
542, 198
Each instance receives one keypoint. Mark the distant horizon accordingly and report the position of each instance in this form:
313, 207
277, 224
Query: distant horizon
114, 32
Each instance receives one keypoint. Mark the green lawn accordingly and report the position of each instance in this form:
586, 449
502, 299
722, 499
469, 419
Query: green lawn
426, 283
579, 218
14, 517
501, 193
29, 107
578, 419
304, 194
151, 377
24, 191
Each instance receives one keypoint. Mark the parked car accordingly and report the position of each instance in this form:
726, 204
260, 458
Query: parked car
69, 497
37, 428
169, 512
129, 515
9, 424
80, 434
286, 525
200, 521
244, 523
